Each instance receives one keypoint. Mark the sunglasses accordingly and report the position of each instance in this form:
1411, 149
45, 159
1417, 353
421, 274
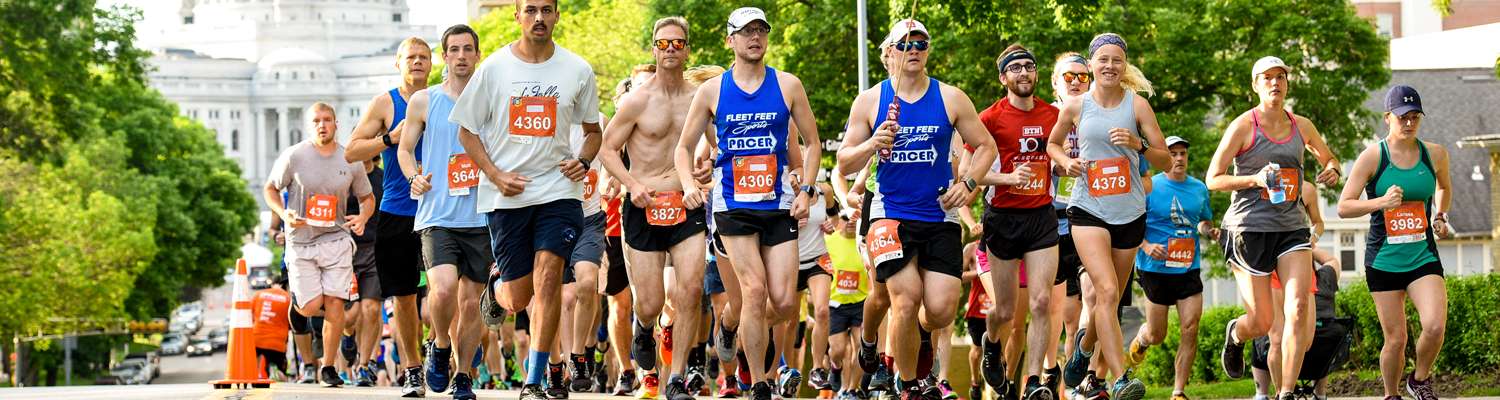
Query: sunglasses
679, 44
1017, 68
1069, 77
920, 45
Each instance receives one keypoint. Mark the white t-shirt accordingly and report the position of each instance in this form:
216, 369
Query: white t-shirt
590, 181
521, 111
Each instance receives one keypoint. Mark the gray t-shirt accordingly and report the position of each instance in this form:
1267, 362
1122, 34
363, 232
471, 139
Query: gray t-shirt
317, 187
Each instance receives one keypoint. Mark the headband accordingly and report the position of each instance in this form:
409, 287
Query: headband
1104, 39
1076, 59
1015, 56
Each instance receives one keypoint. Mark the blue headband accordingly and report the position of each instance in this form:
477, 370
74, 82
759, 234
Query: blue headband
1104, 39
1014, 56
1077, 59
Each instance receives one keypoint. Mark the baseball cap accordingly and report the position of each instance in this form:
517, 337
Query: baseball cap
1175, 140
1403, 99
1266, 63
744, 16
902, 28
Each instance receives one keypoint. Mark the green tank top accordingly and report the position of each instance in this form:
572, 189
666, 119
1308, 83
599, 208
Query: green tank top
850, 284
1401, 239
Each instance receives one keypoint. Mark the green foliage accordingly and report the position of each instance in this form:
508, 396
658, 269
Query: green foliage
1157, 369
1470, 342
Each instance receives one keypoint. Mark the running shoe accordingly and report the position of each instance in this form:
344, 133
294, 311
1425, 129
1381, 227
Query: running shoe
1078, 362
818, 379
533, 392
413, 386
1233, 354
490, 310
363, 377
1422, 390
725, 345
582, 381
930, 389
1128, 388
761, 391
438, 368
626, 383
869, 359
729, 387
1092, 388
946, 390
666, 344
556, 388
1180, 396
649, 386
1136, 353
787, 381
330, 377
846, 395
1287, 396
349, 349
696, 380
463, 387
676, 389
914, 392
643, 348
976, 392
309, 374
994, 365
882, 380
1036, 391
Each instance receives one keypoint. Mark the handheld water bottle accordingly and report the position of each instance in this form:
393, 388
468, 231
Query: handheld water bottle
1273, 184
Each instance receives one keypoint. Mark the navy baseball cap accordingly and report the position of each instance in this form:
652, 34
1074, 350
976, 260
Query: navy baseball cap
1403, 99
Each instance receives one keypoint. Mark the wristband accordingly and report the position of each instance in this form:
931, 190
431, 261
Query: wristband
386, 138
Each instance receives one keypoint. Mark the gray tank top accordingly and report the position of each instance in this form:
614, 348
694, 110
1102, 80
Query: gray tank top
1113, 166
1251, 210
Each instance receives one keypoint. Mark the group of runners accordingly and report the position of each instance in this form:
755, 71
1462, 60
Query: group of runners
691, 243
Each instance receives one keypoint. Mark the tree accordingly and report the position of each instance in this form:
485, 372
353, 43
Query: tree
590, 29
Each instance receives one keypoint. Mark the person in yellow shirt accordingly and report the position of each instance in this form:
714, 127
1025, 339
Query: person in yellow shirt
850, 286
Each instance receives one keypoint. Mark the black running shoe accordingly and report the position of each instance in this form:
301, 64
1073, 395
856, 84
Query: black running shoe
582, 381
1092, 388
1036, 391
1233, 354
994, 365
413, 386
869, 359
626, 383
818, 379
760, 391
330, 377
696, 379
676, 389
463, 387
556, 389
643, 348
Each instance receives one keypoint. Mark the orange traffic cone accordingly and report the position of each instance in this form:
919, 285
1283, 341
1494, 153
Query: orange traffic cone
243, 369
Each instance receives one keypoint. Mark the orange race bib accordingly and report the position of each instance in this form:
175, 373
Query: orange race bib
1291, 183
590, 180
1406, 223
462, 174
322, 210
666, 209
533, 116
354, 288
1038, 185
755, 178
848, 282
985, 304
1180, 252
883, 242
826, 263
1109, 177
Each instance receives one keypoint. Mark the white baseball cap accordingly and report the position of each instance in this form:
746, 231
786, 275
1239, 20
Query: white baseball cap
744, 16
902, 28
1266, 63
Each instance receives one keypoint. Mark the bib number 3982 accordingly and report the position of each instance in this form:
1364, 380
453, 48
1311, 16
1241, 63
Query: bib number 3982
755, 178
883, 242
533, 116
1109, 177
1406, 223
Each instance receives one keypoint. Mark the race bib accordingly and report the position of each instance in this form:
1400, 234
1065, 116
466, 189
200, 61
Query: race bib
1065, 187
666, 209
1180, 252
354, 288
462, 174
590, 180
1291, 181
848, 282
322, 210
1406, 223
883, 242
754, 178
985, 304
826, 263
1037, 186
1109, 177
533, 116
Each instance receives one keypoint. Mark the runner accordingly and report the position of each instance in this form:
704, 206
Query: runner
849, 288
1404, 181
396, 258
1266, 226
976, 314
588, 255
1108, 219
656, 225
454, 241
319, 248
271, 306
509, 117
1019, 220
814, 273
1177, 214
914, 237
755, 207
1070, 79
366, 299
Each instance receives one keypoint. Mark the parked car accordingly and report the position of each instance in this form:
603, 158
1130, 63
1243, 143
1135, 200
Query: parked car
173, 344
260, 278
200, 347
151, 359
133, 372
219, 337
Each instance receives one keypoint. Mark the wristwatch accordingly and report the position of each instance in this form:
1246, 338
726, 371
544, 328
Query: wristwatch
1144, 146
809, 189
585, 162
386, 138
970, 183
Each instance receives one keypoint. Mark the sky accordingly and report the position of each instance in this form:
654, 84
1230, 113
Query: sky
160, 16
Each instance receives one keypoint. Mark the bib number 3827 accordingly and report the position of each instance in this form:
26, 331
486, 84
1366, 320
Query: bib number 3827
666, 209
883, 241
1406, 223
533, 116
1109, 177
755, 178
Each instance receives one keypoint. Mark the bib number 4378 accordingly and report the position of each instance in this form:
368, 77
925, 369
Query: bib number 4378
1109, 177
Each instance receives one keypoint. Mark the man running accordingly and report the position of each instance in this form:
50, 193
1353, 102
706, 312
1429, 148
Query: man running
396, 258
270, 308
366, 308
1266, 227
1019, 221
1167, 265
914, 237
655, 223
509, 118
454, 240
319, 248
755, 205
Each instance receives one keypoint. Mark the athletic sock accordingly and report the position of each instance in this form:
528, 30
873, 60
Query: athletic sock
536, 370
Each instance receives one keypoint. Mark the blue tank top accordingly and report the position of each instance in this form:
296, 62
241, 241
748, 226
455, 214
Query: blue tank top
397, 190
752, 131
438, 207
909, 181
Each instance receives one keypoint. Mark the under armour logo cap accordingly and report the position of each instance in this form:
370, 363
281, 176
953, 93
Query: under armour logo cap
1403, 99
744, 16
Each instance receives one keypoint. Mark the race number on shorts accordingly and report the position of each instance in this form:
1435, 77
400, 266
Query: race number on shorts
754, 178
1406, 223
322, 210
533, 116
666, 209
883, 242
1180, 252
1109, 177
462, 174
826, 262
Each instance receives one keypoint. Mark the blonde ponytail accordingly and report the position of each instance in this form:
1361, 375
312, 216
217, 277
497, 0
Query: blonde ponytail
1134, 80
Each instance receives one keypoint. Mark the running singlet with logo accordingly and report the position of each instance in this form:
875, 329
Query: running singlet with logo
1251, 210
1173, 211
1401, 238
1021, 139
396, 198
910, 179
1110, 186
455, 178
752, 132
850, 282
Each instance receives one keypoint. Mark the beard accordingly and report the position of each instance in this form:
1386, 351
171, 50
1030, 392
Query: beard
1022, 91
